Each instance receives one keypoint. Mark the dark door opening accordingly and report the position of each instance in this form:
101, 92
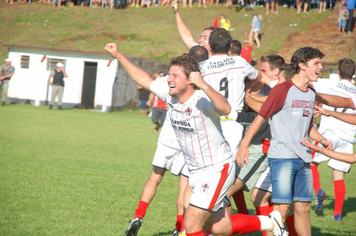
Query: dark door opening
89, 83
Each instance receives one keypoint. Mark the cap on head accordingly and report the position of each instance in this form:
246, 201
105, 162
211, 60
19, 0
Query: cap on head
60, 64
8, 60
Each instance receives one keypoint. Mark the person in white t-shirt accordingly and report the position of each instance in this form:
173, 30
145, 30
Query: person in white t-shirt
194, 111
340, 133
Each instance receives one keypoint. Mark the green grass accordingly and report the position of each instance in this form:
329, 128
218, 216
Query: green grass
79, 172
152, 33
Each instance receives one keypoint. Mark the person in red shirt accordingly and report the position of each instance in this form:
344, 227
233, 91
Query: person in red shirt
246, 51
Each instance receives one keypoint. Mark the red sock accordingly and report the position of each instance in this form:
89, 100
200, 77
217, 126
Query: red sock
179, 223
239, 199
340, 192
290, 225
316, 178
198, 233
244, 224
264, 211
141, 209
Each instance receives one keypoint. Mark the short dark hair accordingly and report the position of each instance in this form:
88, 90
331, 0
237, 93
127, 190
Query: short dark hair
188, 63
220, 41
211, 29
235, 47
303, 55
199, 53
273, 60
288, 71
346, 68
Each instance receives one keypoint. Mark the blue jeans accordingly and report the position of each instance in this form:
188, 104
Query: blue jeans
291, 180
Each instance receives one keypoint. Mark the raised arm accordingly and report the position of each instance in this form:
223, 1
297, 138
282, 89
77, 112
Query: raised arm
222, 106
136, 73
335, 101
183, 30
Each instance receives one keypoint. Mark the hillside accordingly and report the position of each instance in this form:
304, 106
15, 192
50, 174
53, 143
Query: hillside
149, 33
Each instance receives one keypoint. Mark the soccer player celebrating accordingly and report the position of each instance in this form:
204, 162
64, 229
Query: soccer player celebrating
194, 111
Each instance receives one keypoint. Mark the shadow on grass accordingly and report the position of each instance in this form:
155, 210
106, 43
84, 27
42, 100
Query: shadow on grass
349, 206
168, 232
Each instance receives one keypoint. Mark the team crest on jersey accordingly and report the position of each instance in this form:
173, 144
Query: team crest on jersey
306, 113
188, 110
204, 188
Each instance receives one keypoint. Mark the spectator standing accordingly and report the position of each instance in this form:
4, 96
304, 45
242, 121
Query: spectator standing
343, 13
322, 5
268, 3
225, 23
57, 84
350, 5
7, 71
143, 96
256, 27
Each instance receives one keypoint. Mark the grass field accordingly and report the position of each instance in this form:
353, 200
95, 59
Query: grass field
80, 172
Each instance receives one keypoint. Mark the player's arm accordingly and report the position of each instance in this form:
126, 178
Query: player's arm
267, 80
253, 103
243, 152
64, 73
150, 99
183, 29
335, 101
136, 73
345, 157
314, 134
221, 105
348, 118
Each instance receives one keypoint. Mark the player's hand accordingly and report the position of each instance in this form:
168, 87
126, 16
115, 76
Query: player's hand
327, 144
318, 111
308, 144
112, 49
241, 157
174, 6
196, 79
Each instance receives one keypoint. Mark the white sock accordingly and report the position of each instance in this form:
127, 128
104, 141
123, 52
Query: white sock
266, 223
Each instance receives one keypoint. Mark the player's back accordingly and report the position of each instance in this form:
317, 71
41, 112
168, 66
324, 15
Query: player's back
226, 75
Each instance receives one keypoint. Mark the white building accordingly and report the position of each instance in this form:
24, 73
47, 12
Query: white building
95, 80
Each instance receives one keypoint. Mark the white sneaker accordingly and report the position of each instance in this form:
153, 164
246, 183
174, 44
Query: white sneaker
278, 229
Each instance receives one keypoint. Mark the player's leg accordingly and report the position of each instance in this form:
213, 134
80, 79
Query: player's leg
339, 170
257, 39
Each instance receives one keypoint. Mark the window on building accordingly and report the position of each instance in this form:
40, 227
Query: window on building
52, 63
25, 62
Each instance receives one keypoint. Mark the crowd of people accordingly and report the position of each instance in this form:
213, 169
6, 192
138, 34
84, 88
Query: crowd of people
242, 129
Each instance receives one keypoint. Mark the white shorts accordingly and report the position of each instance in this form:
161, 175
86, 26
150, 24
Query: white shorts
168, 157
210, 186
264, 182
232, 131
339, 145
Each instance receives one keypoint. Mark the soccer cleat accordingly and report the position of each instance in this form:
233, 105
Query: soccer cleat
176, 233
319, 198
134, 227
278, 228
338, 217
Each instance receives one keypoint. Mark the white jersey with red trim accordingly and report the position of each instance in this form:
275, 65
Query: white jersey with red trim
226, 75
197, 128
342, 88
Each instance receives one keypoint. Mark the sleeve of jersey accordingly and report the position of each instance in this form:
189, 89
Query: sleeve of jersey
354, 100
251, 72
275, 100
159, 89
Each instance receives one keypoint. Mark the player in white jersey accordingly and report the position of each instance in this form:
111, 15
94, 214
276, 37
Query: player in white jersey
194, 115
227, 76
341, 133
168, 155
